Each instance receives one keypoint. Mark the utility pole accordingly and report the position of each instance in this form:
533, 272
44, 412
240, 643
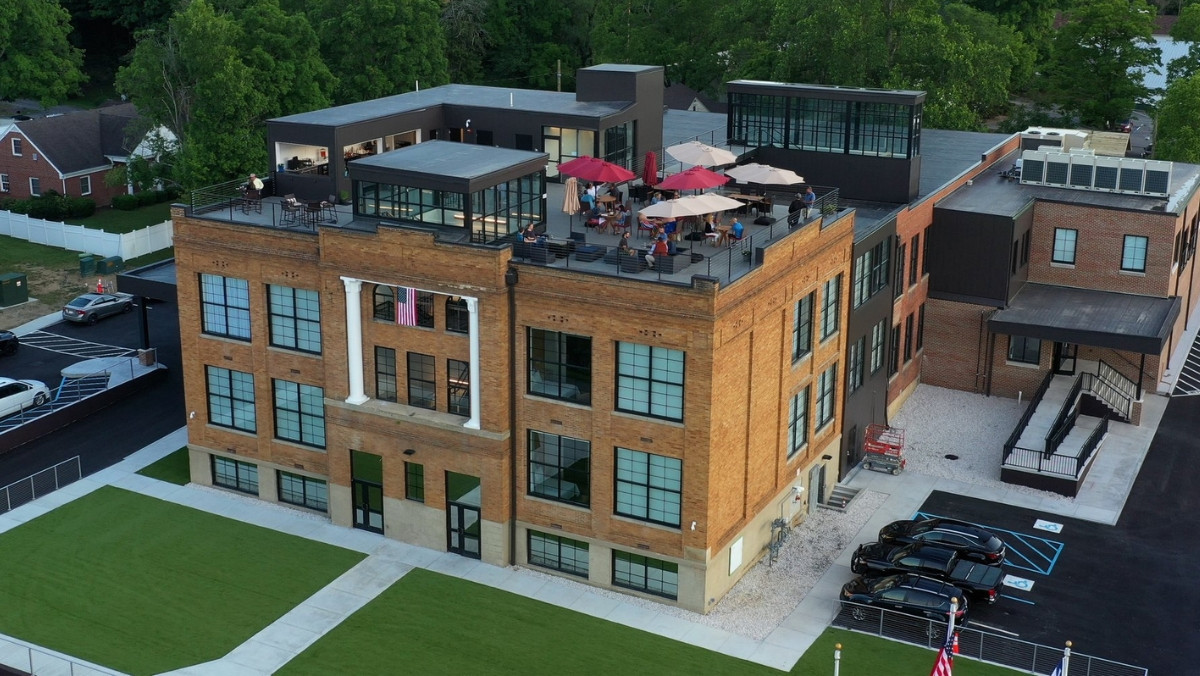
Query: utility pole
559, 75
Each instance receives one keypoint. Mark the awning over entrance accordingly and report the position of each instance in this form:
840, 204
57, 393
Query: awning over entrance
1120, 321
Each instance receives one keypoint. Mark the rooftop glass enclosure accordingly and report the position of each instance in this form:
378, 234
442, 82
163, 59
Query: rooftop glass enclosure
492, 191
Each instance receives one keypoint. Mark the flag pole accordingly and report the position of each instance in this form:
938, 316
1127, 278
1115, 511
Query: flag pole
837, 658
953, 613
1066, 663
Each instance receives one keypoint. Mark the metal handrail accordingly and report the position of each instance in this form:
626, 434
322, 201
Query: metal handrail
1109, 394
1091, 444
1064, 420
1024, 421
1116, 380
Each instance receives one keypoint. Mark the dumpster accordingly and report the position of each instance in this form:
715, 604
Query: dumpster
87, 265
14, 289
110, 265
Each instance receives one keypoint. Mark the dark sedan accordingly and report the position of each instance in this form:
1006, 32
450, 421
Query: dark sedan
970, 576
8, 343
906, 593
969, 540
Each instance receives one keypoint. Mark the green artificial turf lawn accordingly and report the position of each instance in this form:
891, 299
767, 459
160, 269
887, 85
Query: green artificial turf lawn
429, 623
146, 586
173, 468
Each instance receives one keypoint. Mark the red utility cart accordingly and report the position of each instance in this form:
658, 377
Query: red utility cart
883, 449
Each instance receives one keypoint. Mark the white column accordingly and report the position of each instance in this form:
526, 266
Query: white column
473, 325
354, 354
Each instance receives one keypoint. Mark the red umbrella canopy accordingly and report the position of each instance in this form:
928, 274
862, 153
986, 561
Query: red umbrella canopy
696, 178
597, 170
650, 168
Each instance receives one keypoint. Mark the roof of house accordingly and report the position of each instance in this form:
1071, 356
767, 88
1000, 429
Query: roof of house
84, 140
679, 96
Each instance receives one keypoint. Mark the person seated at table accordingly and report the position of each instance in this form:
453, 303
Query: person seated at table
655, 198
529, 234
710, 228
669, 228
588, 196
253, 183
660, 249
623, 246
735, 230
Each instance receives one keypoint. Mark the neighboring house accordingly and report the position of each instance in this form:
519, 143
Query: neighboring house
70, 153
682, 97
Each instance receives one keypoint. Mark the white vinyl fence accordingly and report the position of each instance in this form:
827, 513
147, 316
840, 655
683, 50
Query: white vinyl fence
84, 240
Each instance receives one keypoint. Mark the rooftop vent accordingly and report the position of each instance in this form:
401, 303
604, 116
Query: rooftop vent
1087, 171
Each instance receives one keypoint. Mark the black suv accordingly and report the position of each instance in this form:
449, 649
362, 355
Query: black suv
906, 593
8, 343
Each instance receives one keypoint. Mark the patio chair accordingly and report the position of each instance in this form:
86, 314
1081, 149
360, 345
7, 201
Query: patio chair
291, 212
327, 210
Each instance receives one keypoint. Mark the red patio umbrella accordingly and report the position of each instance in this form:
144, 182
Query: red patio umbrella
696, 178
597, 170
650, 168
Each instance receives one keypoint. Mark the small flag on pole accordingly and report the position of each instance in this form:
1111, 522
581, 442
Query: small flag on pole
406, 307
944, 663
1058, 670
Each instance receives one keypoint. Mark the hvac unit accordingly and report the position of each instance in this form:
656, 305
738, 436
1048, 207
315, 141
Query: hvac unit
1033, 167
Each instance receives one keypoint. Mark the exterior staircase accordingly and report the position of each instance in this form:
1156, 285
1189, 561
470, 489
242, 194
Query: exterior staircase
840, 498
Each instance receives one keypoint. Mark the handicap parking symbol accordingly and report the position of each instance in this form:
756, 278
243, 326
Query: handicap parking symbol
1018, 582
1048, 525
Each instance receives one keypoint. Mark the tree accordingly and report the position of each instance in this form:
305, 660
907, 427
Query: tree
36, 60
462, 23
1092, 72
1178, 131
282, 52
1032, 19
1186, 29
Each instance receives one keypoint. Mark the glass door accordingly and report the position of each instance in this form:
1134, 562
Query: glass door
366, 490
1064, 358
463, 515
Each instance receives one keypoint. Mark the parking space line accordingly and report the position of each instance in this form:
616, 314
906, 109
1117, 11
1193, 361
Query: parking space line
1018, 598
1025, 552
74, 347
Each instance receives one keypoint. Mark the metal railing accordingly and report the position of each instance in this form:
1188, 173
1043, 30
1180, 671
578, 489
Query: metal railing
1043, 463
1110, 395
1011, 444
32, 659
34, 486
1092, 443
975, 644
1068, 413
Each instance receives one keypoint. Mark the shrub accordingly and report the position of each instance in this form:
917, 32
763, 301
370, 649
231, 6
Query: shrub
173, 192
125, 202
21, 206
6, 203
146, 197
160, 196
80, 207
49, 207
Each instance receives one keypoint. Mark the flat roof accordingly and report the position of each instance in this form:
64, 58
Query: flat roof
946, 155
1121, 321
473, 96
833, 91
993, 194
448, 159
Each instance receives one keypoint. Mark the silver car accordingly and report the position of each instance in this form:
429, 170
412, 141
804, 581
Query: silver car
91, 307
18, 395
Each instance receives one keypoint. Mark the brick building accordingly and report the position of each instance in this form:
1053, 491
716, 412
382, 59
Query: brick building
70, 154
415, 377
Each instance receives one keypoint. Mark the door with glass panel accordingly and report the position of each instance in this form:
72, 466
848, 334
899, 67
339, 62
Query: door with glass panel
463, 525
366, 490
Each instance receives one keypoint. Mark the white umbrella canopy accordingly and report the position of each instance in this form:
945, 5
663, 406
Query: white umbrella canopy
695, 152
764, 174
714, 202
683, 206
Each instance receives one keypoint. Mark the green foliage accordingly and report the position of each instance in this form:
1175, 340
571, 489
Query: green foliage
49, 206
146, 197
1093, 58
1186, 29
80, 207
462, 24
284, 60
125, 202
1178, 137
36, 59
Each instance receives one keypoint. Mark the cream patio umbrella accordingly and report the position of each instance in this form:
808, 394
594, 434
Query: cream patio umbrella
695, 152
764, 174
571, 196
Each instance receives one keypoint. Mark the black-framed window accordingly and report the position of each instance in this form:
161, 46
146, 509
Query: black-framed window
560, 468
231, 399
1026, 239
560, 365
458, 387
1133, 254
925, 255
304, 491
235, 474
644, 574
798, 421
649, 487
831, 308
414, 481
878, 340
880, 264
1064, 246
826, 399
921, 327
854, 364
299, 413
225, 306
385, 373
861, 280
802, 325
558, 553
458, 318
422, 380
898, 284
894, 353
403, 305
383, 300
295, 318
1024, 350
650, 380
908, 338
913, 253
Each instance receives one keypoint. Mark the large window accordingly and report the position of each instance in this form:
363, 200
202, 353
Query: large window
898, 284
35, 186
921, 327
1024, 350
458, 387
878, 335
650, 380
914, 250
798, 422
861, 287
831, 310
908, 339
405, 306
854, 365
826, 401
1064, 246
225, 306
231, 399
560, 468
300, 413
295, 318
560, 365
812, 123
881, 263
458, 318
649, 487
1133, 255
422, 380
235, 474
414, 481
4, 184
640, 573
85, 185
385, 373
295, 489
802, 324
558, 553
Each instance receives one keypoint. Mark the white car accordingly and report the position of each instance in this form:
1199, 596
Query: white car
18, 395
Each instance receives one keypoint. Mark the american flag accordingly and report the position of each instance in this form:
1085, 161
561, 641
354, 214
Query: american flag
944, 661
406, 307
1058, 670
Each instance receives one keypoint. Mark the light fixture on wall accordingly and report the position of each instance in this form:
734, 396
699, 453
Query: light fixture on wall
827, 457
409, 451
